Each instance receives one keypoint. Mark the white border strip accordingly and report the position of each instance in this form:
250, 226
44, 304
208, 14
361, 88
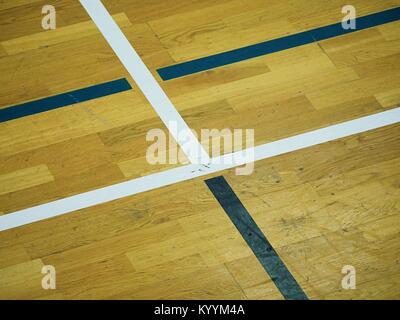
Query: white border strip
164, 178
146, 82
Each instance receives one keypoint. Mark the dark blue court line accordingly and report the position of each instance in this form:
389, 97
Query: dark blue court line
275, 45
64, 99
256, 240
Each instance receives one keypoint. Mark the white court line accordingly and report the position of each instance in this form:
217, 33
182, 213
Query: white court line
146, 82
164, 178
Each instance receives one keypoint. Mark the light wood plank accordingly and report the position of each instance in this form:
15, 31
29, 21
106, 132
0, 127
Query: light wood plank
24, 179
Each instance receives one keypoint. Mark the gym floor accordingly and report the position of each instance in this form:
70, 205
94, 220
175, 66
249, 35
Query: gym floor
316, 209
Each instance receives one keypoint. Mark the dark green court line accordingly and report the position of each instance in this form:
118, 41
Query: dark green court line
64, 99
256, 240
276, 45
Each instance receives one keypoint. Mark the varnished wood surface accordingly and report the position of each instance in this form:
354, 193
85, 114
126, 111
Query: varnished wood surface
321, 208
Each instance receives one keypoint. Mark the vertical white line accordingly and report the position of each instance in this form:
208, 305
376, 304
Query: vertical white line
146, 82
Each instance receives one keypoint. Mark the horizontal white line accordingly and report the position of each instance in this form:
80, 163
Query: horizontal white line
146, 82
157, 180
318, 136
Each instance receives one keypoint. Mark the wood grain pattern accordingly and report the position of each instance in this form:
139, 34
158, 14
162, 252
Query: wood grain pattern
321, 208
60, 35
24, 178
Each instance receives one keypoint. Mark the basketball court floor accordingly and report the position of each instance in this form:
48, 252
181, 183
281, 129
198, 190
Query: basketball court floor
78, 193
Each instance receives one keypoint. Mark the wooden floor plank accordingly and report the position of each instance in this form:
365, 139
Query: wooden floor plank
321, 208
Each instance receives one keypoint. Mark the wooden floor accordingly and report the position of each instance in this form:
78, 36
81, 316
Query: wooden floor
321, 208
